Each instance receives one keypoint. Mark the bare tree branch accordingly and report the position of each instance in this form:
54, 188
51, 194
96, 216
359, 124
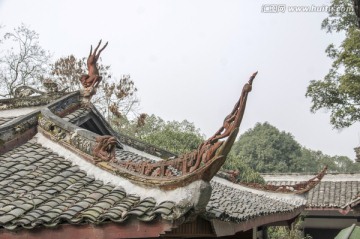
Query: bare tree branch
24, 62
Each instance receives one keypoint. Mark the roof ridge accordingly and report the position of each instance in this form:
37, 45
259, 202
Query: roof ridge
294, 199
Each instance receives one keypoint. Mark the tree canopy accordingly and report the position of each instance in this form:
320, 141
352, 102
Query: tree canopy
174, 136
24, 62
246, 173
339, 91
266, 149
262, 149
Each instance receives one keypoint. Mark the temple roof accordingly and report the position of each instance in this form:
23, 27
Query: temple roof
6, 119
39, 187
231, 202
62, 163
334, 190
44, 182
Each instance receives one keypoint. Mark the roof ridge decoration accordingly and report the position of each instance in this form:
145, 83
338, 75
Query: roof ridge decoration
22, 128
201, 164
25, 91
91, 81
50, 86
298, 188
24, 96
353, 204
104, 148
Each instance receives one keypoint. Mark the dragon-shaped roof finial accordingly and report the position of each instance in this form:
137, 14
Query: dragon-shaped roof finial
91, 81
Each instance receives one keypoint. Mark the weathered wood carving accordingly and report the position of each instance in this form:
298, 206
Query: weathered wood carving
105, 147
203, 163
207, 152
91, 81
298, 188
26, 91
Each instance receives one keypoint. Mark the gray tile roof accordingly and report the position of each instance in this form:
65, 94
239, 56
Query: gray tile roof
334, 190
38, 187
124, 155
232, 204
77, 114
333, 194
6, 119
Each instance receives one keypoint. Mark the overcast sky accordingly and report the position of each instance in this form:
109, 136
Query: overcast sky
190, 59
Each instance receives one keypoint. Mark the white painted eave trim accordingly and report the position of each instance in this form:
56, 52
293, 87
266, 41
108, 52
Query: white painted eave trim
189, 194
18, 112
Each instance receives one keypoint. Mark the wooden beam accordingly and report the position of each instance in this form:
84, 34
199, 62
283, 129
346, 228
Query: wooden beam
229, 228
197, 228
130, 229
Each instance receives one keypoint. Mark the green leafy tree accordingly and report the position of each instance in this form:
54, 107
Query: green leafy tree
131, 127
339, 164
339, 91
308, 162
265, 149
292, 232
246, 173
24, 62
174, 136
312, 161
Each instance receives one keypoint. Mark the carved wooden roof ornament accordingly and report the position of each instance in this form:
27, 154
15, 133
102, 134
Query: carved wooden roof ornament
213, 146
91, 81
105, 147
353, 204
298, 188
201, 164
26, 91
50, 86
